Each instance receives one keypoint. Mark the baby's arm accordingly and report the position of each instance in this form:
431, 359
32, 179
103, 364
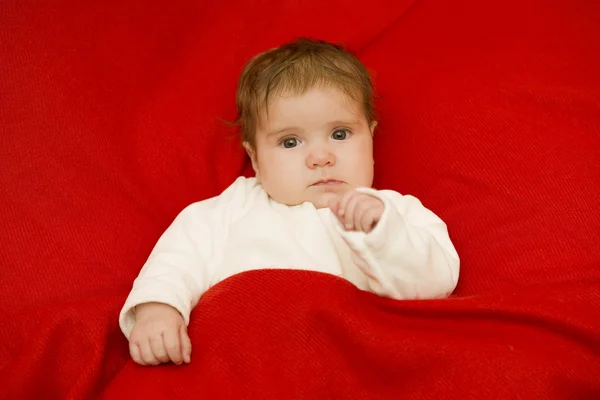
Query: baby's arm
177, 273
156, 312
408, 254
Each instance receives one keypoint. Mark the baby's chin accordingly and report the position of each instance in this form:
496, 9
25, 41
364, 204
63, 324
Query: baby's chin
322, 200
318, 201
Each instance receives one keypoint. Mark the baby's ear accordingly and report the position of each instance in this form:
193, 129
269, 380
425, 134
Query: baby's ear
252, 154
372, 127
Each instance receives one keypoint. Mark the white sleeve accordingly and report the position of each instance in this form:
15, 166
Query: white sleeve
179, 269
409, 254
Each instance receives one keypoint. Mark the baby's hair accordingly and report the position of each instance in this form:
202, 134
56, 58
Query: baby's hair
294, 68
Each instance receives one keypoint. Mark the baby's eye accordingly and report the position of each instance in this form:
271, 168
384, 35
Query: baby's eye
340, 134
289, 143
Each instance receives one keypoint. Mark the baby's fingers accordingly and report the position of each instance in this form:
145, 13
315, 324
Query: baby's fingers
146, 352
173, 345
334, 205
135, 352
186, 345
368, 218
158, 348
349, 210
343, 202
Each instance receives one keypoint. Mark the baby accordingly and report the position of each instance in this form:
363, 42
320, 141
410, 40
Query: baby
307, 120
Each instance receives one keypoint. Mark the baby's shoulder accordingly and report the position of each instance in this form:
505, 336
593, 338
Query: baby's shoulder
237, 198
243, 184
242, 192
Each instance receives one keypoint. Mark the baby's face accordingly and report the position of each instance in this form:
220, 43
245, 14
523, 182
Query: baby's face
313, 147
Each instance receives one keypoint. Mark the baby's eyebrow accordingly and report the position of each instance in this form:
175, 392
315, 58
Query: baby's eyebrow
337, 123
283, 130
329, 125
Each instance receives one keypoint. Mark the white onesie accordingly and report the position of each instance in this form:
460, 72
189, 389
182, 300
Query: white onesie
408, 255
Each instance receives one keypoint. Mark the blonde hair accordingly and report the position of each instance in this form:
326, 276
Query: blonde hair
295, 68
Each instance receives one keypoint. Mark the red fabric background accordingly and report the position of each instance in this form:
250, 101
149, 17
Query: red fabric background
110, 124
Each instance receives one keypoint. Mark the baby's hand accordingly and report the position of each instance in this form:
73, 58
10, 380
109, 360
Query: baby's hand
159, 335
357, 211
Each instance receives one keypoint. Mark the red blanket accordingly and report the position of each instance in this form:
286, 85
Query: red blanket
111, 122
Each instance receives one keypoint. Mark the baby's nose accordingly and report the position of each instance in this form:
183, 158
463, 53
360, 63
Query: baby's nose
320, 157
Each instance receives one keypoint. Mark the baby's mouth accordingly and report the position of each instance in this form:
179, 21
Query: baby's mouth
327, 182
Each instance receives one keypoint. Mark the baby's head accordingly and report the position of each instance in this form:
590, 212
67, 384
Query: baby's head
307, 120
